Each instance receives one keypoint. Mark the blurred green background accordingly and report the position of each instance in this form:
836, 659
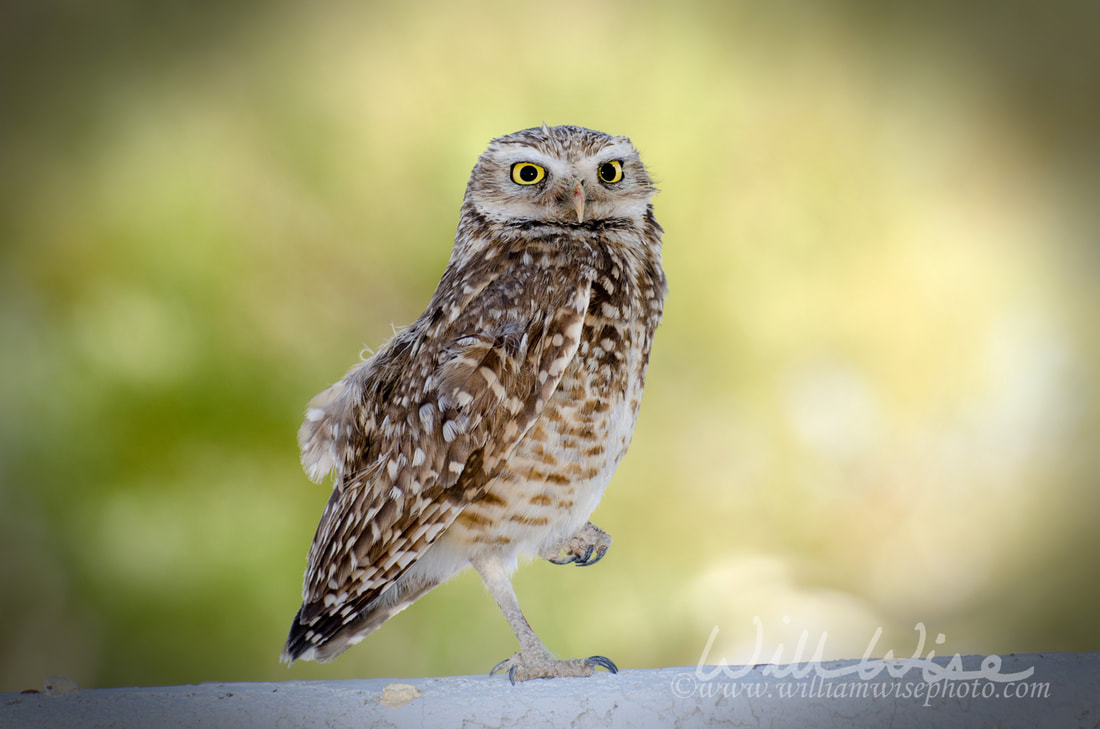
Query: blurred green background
873, 400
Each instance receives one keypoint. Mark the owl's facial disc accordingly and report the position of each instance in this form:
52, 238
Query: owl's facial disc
571, 177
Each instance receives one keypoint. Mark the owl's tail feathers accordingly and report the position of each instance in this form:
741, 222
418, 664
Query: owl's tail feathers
321, 633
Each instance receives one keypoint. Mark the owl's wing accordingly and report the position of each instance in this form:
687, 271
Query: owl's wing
417, 432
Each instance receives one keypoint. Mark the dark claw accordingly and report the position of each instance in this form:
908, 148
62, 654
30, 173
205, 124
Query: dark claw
603, 662
589, 560
567, 559
511, 670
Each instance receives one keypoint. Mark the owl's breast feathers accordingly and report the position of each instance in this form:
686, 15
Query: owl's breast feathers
419, 430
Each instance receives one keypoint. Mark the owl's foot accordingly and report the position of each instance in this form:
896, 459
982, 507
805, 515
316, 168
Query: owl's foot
585, 548
525, 666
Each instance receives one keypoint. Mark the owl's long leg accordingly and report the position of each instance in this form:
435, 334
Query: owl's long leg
585, 548
534, 659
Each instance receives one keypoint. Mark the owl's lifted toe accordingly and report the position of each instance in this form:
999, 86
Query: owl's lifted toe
584, 549
525, 666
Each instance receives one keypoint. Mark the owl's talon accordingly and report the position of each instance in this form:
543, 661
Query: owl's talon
540, 664
585, 548
603, 662
500, 666
589, 560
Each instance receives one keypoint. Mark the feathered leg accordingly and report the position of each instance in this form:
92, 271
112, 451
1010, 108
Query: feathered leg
534, 659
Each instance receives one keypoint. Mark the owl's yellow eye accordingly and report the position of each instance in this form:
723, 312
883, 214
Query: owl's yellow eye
611, 172
527, 173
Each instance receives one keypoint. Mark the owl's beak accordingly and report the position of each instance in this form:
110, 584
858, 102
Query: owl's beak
577, 199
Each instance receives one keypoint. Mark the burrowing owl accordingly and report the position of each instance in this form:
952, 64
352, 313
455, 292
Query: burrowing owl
489, 428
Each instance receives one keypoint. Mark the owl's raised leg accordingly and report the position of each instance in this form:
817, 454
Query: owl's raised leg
585, 548
534, 659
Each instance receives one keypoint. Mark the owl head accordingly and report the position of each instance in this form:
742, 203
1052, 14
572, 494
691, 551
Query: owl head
564, 175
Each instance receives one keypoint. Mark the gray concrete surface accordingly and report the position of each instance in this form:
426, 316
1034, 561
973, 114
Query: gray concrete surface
1027, 690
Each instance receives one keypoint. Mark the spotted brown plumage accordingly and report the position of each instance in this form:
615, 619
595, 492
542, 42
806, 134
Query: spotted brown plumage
489, 428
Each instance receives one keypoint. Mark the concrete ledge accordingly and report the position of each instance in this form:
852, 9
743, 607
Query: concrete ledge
1028, 690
